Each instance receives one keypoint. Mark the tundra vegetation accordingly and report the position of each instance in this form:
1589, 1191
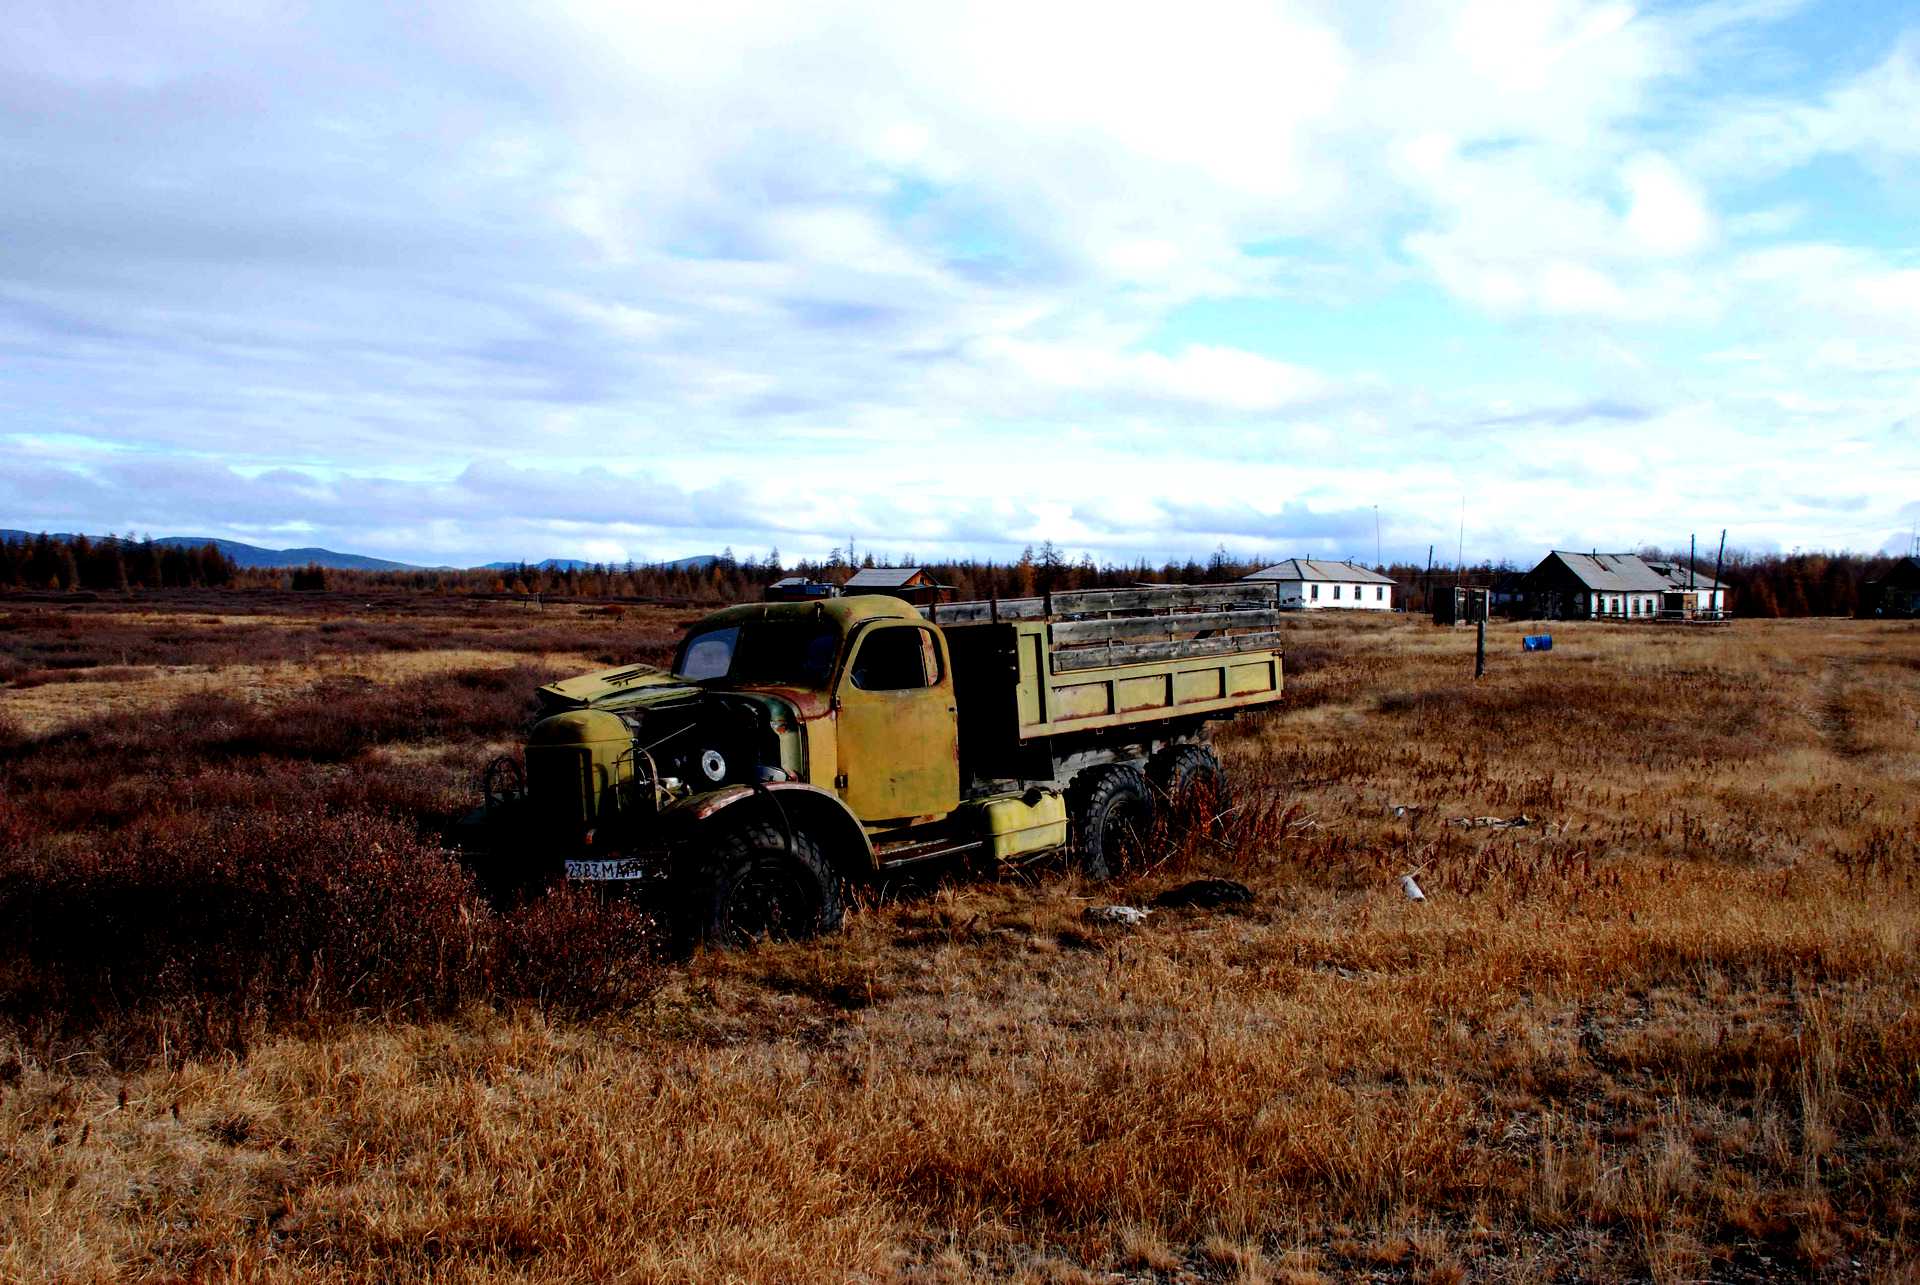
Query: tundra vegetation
257, 1023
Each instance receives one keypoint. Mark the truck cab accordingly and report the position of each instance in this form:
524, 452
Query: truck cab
871, 683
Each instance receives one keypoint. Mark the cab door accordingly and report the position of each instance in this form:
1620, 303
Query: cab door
899, 739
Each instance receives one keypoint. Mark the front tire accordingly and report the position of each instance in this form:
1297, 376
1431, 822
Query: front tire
758, 886
1112, 808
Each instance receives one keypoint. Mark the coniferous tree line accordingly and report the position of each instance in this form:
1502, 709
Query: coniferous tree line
1761, 584
110, 564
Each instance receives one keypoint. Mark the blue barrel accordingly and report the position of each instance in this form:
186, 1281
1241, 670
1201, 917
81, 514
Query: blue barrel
1537, 642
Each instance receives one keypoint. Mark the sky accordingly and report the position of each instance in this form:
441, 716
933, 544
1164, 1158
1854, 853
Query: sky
458, 282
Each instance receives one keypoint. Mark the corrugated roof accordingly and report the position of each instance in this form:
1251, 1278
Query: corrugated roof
1676, 574
1320, 569
882, 578
1613, 572
786, 581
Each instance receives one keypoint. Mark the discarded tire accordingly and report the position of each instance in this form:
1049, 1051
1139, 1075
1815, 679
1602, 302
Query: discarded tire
1204, 894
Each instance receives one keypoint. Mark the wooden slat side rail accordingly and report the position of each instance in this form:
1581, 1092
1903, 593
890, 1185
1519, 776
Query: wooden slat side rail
1178, 649
1098, 602
1081, 602
1068, 633
980, 613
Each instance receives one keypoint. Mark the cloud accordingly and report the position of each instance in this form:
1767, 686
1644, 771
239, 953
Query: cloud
506, 280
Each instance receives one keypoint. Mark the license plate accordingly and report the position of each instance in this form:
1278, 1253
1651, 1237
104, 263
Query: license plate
607, 871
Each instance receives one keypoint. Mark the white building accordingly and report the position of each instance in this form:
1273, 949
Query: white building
1312, 584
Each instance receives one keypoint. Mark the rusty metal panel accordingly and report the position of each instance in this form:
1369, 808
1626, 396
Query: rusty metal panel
1078, 701
1196, 685
1152, 691
1246, 680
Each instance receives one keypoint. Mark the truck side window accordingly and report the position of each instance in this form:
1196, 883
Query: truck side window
896, 659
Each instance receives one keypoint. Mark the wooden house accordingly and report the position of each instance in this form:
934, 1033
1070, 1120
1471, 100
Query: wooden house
1594, 586
911, 584
1895, 594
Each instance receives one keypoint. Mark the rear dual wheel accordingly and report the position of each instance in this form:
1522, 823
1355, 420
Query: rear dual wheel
1112, 813
1191, 788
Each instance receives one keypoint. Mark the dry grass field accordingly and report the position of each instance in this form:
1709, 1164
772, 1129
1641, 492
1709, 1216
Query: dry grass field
257, 1025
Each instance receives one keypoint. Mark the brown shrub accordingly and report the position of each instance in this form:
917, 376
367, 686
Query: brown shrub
195, 931
575, 951
190, 929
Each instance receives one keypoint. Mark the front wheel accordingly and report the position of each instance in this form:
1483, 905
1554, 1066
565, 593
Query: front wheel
763, 883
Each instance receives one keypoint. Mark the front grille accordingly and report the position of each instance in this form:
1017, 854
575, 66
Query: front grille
559, 783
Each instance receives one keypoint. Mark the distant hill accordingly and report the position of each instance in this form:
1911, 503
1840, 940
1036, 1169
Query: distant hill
549, 564
256, 557
252, 555
699, 562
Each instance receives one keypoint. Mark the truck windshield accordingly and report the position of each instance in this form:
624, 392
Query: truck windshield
782, 653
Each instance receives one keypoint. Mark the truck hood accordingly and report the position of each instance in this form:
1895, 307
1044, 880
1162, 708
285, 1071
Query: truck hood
623, 687
637, 687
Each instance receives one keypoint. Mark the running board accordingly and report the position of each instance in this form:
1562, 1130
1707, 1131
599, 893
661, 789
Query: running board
911, 852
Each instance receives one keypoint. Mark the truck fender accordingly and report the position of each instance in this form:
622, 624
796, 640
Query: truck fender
791, 803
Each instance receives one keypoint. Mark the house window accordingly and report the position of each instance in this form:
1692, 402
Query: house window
1380, 594
1336, 593
1314, 591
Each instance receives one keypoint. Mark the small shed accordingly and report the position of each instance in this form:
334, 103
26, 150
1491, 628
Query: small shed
1461, 605
910, 584
1896, 594
801, 589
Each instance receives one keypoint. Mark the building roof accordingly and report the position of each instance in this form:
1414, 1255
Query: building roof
883, 578
788, 581
1610, 572
1677, 573
1320, 569
1904, 574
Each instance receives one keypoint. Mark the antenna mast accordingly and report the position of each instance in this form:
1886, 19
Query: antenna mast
1460, 553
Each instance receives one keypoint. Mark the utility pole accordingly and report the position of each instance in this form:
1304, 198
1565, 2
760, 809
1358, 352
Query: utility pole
1480, 648
1429, 594
1376, 537
1719, 592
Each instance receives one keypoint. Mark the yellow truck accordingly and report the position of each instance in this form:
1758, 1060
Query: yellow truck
795, 746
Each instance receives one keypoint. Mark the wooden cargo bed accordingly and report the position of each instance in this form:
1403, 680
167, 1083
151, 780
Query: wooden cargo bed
1106, 658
